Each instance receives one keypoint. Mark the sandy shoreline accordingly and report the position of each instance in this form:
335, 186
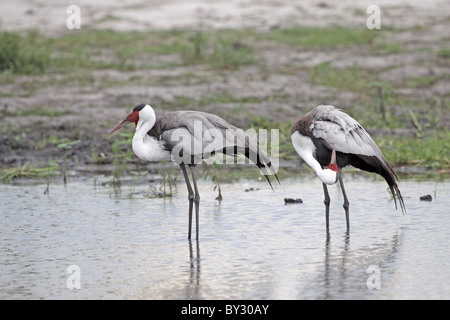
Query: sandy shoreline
50, 18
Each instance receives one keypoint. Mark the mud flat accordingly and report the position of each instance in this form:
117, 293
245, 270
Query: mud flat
256, 65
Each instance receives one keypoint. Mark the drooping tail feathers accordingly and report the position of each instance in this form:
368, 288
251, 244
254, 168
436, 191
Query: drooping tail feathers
382, 167
248, 147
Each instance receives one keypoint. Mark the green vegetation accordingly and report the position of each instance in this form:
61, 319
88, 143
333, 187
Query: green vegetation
123, 156
30, 62
444, 53
217, 51
43, 111
322, 37
106, 49
53, 140
23, 54
30, 172
353, 78
167, 185
285, 150
431, 151
120, 158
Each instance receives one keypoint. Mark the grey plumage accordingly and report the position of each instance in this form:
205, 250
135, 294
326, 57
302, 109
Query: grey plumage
188, 137
326, 129
186, 130
341, 132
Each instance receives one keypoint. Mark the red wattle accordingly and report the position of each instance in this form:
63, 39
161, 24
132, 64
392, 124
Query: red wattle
333, 166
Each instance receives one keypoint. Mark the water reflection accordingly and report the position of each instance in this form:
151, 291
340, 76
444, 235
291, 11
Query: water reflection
343, 273
334, 275
194, 270
348, 270
252, 245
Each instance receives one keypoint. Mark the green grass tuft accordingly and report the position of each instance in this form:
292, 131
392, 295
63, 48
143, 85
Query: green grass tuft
29, 171
324, 37
432, 150
352, 78
23, 54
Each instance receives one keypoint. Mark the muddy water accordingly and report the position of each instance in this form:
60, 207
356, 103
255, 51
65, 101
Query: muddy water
252, 245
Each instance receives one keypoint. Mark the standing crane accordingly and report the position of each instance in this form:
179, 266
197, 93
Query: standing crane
328, 139
187, 138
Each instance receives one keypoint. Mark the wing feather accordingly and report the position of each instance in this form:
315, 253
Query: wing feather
342, 133
212, 133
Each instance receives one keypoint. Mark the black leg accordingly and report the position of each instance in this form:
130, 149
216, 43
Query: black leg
346, 203
190, 197
196, 201
327, 205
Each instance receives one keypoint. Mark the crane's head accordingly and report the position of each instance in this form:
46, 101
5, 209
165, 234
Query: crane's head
141, 112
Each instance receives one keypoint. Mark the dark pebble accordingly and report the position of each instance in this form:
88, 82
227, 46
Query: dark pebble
290, 200
426, 198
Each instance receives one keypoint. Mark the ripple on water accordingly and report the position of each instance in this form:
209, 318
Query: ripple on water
252, 245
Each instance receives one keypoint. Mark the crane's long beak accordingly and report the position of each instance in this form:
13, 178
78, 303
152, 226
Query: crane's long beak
333, 157
132, 117
120, 125
333, 165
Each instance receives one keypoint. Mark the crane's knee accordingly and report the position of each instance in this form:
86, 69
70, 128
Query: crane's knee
346, 205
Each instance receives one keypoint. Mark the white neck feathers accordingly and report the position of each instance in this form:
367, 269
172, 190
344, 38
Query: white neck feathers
144, 146
306, 150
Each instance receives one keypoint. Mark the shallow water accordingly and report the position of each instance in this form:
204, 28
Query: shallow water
252, 245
